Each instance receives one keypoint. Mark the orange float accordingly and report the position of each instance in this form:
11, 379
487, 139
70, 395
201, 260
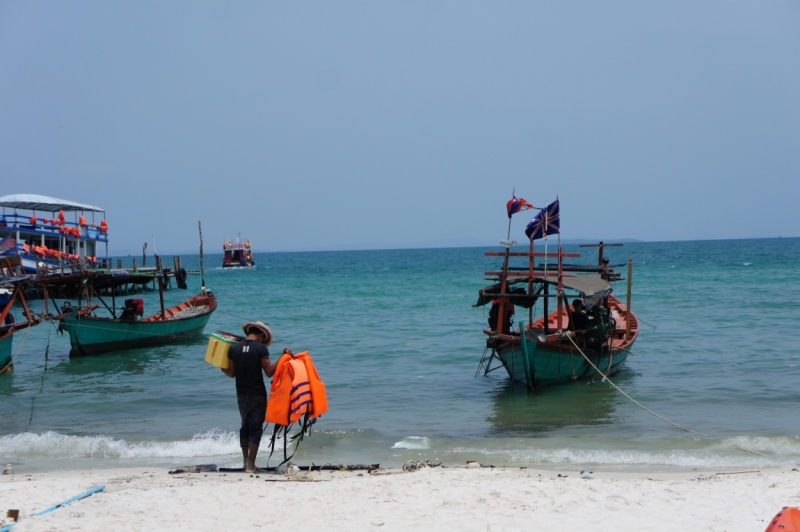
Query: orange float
787, 520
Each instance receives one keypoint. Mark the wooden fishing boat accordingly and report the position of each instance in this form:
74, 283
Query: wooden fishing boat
9, 325
562, 345
91, 332
237, 255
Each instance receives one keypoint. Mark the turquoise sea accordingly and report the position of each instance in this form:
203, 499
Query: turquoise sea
397, 342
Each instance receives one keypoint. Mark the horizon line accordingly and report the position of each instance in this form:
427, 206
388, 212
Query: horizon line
568, 241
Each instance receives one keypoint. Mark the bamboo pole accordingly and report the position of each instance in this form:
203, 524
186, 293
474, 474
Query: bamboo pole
560, 284
628, 302
202, 271
161, 295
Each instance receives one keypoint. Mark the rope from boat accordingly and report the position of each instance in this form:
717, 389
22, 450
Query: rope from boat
640, 319
235, 316
640, 405
27, 329
41, 388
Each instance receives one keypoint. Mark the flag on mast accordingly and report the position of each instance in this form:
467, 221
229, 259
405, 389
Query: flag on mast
516, 205
546, 222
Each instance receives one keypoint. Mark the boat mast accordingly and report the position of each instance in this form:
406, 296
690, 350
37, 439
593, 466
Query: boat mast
202, 274
161, 293
501, 307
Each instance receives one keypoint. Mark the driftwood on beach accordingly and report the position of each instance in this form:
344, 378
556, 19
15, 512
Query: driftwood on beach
212, 468
312, 467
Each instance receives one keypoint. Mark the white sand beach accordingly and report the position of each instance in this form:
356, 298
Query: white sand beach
483, 499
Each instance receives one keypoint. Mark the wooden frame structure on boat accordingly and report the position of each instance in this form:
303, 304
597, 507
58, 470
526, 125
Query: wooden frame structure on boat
551, 349
7, 330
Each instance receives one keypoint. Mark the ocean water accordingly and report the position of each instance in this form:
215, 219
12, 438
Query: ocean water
397, 342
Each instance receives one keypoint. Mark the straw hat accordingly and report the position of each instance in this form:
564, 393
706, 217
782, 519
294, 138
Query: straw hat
262, 327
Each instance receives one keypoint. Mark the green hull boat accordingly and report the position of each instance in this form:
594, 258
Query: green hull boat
90, 335
569, 343
5, 353
534, 359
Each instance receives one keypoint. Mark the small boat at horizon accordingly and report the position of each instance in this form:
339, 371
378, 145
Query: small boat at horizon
238, 254
566, 344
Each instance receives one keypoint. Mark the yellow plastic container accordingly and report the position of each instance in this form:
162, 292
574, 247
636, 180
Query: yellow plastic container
217, 353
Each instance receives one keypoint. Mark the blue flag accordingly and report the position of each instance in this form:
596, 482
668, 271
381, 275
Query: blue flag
547, 222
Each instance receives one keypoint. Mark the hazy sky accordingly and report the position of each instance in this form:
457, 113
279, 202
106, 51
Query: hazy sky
348, 125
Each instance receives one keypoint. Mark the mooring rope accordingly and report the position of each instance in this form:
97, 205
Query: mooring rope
44, 373
235, 316
640, 405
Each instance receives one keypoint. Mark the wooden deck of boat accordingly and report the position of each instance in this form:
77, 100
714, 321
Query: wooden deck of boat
190, 307
619, 312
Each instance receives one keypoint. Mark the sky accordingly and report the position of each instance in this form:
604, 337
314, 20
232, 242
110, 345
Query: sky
358, 125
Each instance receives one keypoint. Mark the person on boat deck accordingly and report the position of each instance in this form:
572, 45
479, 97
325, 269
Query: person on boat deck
507, 323
248, 359
580, 320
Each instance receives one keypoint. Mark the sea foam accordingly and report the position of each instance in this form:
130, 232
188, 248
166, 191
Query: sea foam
54, 445
412, 442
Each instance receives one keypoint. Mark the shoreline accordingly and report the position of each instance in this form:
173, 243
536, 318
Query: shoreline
486, 498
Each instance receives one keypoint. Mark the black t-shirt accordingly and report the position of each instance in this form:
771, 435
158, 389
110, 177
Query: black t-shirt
246, 357
580, 320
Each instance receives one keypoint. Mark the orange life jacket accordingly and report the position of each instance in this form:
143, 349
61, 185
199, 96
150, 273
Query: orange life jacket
296, 390
82, 221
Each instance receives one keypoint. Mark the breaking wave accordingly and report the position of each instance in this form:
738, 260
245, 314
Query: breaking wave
728, 453
412, 442
53, 445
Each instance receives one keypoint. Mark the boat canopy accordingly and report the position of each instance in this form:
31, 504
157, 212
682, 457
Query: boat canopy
591, 287
34, 202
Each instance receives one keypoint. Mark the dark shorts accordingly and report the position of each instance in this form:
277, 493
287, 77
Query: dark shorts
253, 409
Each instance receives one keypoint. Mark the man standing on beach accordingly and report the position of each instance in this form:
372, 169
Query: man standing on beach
247, 360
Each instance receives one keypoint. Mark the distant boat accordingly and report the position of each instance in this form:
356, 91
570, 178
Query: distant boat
237, 255
548, 350
90, 333
8, 325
